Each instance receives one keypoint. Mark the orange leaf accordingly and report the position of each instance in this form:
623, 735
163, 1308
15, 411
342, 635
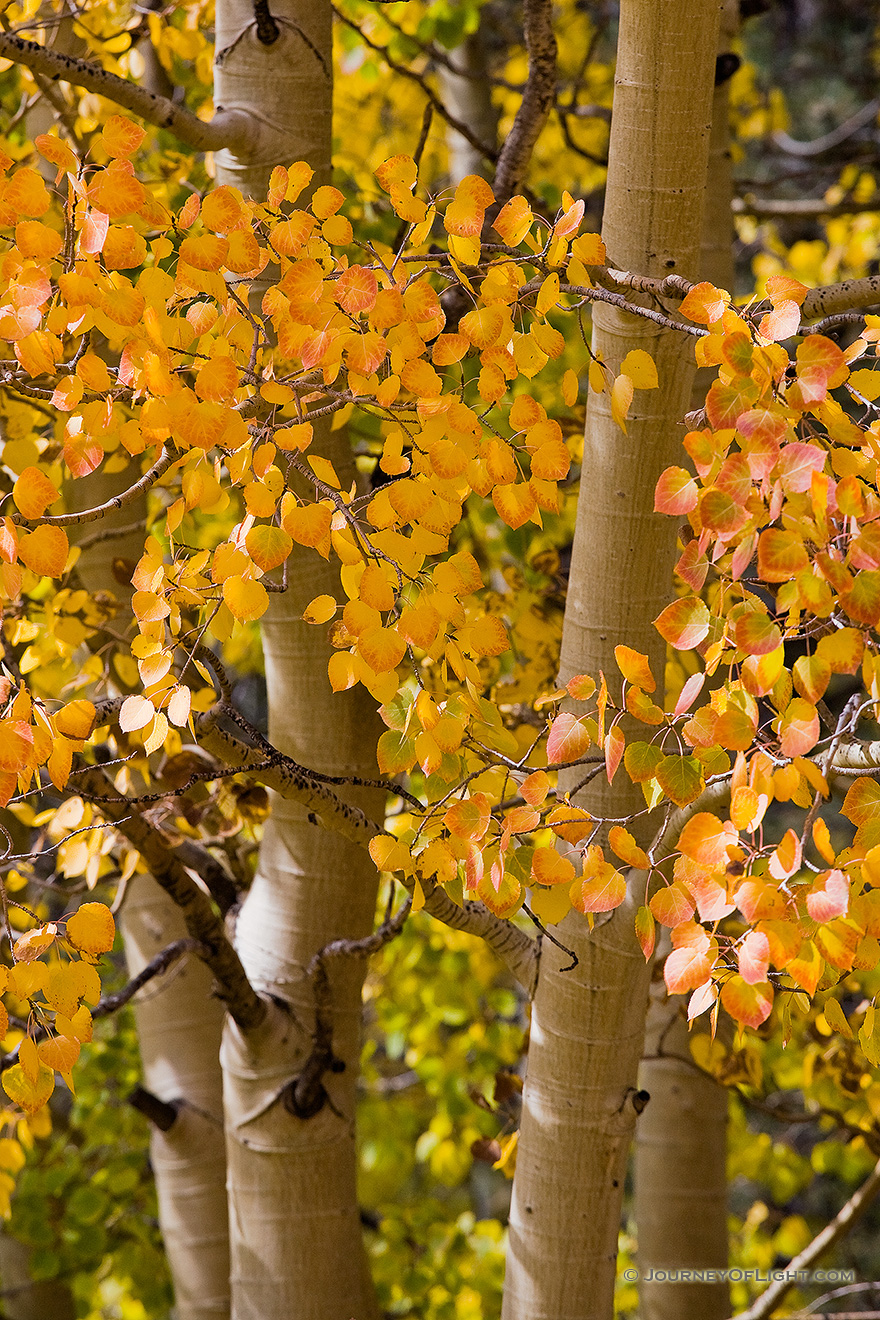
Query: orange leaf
33, 493
567, 740
635, 667
549, 868
601, 893
705, 839
121, 137
268, 546
44, 550
749, 1004
684, 623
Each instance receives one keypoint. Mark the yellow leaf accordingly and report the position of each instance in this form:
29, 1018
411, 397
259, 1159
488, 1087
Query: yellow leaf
30, 1096
641, 369
91, 928
621, 398
548, 294
245, 598
320, 609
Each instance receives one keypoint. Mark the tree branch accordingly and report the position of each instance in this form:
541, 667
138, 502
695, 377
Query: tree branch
289, 780
518, 951
793, 147
539, 98
306, 1095
458, 124
231, 129
840, 1225
204, 925
785, 208
108, 1004
843, 297
166, 459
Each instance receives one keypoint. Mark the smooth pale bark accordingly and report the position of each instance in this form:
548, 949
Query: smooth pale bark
468, 95
179, 1025
680, 1157
580, 1101
179, 1022
297, 1249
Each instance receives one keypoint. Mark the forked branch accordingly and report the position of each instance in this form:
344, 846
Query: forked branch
203, 924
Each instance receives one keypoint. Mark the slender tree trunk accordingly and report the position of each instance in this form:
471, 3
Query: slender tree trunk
680, 1165
468, 95
179, 1023
580, 1100
297, 1248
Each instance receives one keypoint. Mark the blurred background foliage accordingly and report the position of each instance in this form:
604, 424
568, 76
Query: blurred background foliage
446, 1031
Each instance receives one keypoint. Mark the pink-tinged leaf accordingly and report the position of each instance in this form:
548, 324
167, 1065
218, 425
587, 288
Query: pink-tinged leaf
601, 893
783, 322
684, 623
786, 858
693, 566
798, 728
686, 968
646, 931
676, 492
567, 740
797, 463
711, 896
689, 693
581, 687
756, 633
821, 367
672, 905
749, 1004
754, 958
829, 897
615, 744
701, 999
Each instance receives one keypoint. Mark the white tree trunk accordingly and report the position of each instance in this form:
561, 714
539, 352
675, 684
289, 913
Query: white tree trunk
297, 1249
468, 95
179, 1025
179, 1022
680, 1158
580, 1101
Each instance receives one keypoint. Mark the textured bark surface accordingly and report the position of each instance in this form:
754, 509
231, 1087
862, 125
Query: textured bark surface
296, 1234
680, 1158
297, 1249
588, 1025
